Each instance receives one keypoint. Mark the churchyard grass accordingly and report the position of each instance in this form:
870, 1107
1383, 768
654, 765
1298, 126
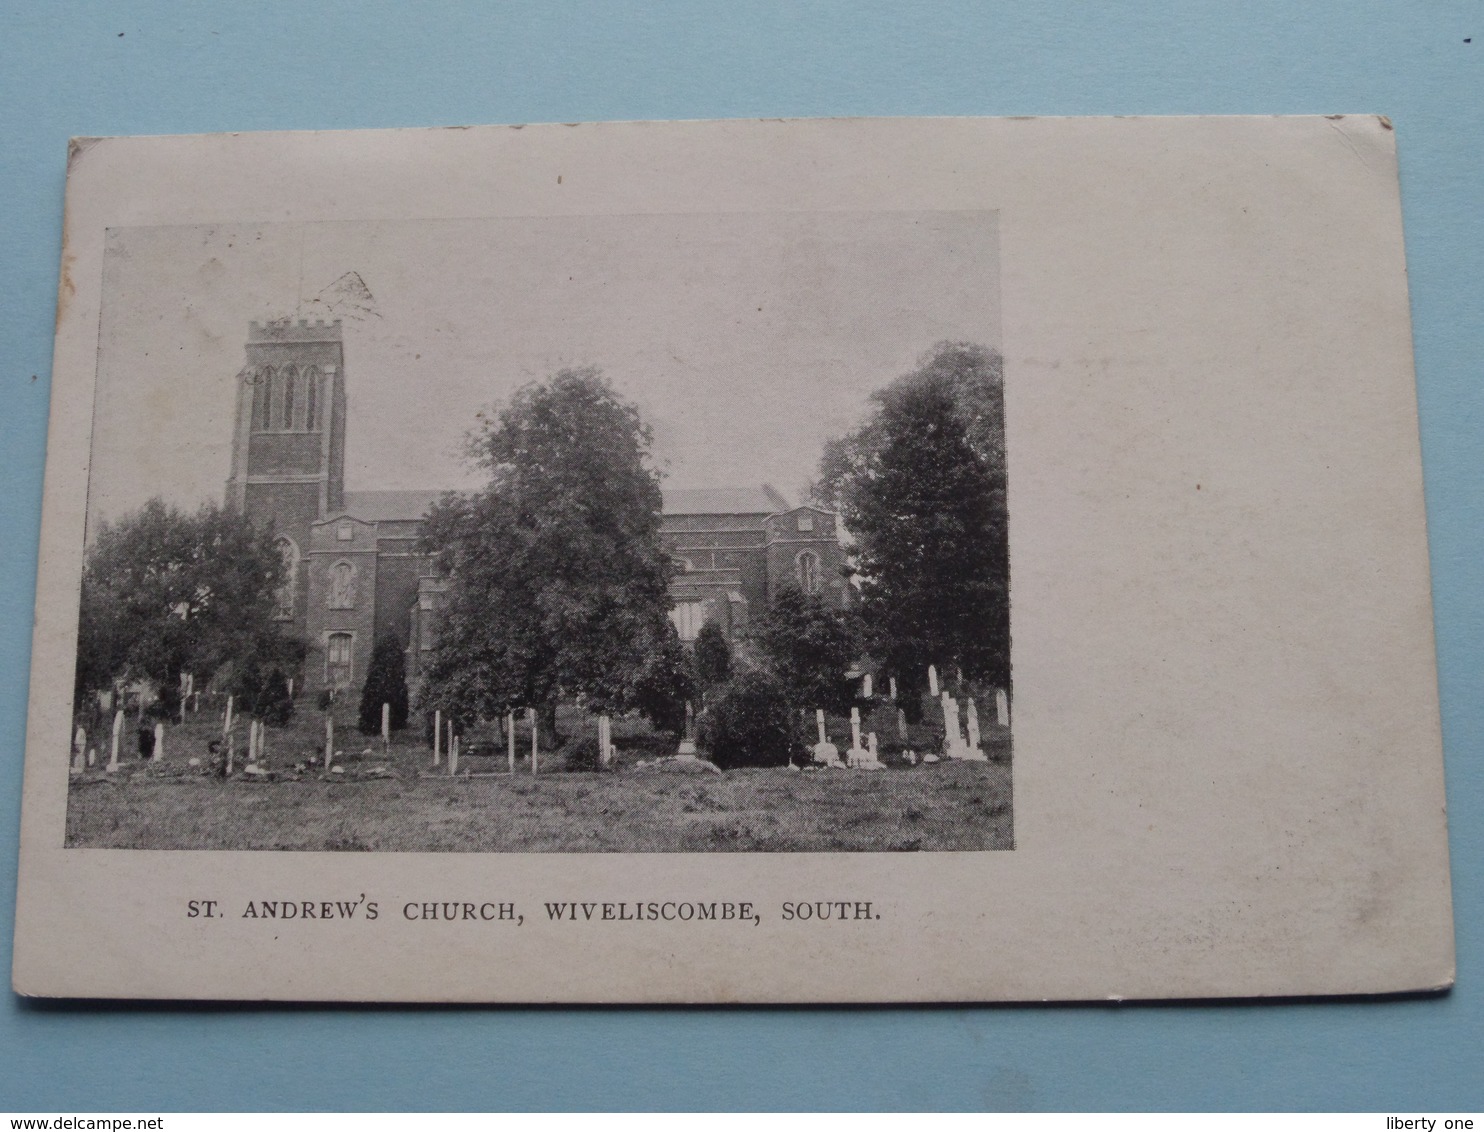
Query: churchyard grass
397, 801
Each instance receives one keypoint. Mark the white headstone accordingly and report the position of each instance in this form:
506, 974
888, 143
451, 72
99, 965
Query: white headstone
891, 685
1002, 707
932, 680
79, 750
453, 756
819, 724
159, 754
531, 719
227, 719
329, 740
866, 687
437, 736
973, 724
510, 737
855, 729
386, 727
118, 728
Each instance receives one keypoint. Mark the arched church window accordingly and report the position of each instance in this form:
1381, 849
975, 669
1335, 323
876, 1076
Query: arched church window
283, 606
808, 565
688, 617
262, 397
287, 420
338, 652
343, 586
311, 398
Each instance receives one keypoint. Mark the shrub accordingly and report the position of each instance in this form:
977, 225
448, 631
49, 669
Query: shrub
749, 723
579, 752
386, 683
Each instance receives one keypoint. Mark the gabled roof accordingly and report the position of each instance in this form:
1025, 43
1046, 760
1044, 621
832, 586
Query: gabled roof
389, 506
759, 500
408, 506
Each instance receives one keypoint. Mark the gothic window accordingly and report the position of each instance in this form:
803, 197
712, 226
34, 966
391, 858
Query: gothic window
343, 586
311, 397
808, 566
337, 660
283, 606
262, 397
687, 617
286, 420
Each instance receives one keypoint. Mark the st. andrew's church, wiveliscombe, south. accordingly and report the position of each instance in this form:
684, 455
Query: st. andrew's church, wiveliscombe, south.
354, 572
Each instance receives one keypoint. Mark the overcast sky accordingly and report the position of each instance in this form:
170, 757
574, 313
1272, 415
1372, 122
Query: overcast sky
746, 340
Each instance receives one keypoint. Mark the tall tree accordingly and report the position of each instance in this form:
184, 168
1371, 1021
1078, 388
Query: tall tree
665, 683
713, 656
920, 486
809, 646
558, 583
164, 592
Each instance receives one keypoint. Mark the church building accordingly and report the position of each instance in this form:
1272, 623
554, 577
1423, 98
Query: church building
353, 569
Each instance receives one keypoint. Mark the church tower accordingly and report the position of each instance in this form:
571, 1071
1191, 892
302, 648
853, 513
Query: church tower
288, 450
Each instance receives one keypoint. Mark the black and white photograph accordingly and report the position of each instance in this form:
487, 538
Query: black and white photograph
736, 561
621, 534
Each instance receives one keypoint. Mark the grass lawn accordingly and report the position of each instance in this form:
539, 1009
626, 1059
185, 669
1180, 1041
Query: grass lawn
394, 801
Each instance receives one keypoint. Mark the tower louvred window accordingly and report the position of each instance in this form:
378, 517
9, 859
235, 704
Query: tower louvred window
287, 420
311, 398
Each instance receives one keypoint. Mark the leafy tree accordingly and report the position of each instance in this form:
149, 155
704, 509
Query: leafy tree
713, 656
386, 683
558, 584
165, 592
664, 684
809, 646
921, 488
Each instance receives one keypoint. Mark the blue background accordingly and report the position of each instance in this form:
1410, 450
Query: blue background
141, 68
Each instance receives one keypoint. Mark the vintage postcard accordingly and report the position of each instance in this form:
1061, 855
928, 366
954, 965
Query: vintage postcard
804, 561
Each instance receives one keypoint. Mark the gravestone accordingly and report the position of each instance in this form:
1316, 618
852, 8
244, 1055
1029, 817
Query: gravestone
159, 754
1002, 707
866, 686
872, 761
901, 724
329, 740
973, 724
891, 686
932, 680
824, 751
857, 755
118, 728
437, 737
79, 750
510, 737
531, 719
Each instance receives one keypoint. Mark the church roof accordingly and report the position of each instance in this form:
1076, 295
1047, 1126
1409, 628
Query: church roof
405, 506
389, 506
759, 500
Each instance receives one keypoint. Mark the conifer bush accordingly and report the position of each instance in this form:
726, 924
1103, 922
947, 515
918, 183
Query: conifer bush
386, 683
